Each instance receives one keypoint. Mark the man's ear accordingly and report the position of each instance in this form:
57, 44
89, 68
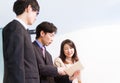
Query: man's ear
42, 33
28, 9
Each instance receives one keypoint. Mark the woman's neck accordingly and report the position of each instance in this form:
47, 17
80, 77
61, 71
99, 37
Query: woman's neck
68, 60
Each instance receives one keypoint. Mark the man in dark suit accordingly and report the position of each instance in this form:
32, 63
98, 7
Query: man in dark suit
45, 33
20, 65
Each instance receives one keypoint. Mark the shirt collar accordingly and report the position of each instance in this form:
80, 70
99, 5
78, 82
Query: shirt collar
23, 23
39, 44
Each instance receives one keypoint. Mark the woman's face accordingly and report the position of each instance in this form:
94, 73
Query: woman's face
68, 50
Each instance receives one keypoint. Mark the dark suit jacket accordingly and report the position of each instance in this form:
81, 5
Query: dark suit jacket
20, 65
62, 79
46, 69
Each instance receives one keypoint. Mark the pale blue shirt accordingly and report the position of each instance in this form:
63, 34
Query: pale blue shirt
39, 44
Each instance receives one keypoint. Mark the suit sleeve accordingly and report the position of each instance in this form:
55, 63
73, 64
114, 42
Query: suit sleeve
48, 70
59, 79
44, 69
14, 58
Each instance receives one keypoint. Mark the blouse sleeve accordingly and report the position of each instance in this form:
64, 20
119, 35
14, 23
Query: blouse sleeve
58, 62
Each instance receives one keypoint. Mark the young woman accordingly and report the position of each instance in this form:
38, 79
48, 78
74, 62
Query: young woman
68, 56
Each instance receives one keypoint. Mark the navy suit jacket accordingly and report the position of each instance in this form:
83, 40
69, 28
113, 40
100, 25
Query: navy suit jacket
46, 69
20, 65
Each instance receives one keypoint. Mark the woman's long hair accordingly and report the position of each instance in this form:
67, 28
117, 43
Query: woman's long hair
71, 44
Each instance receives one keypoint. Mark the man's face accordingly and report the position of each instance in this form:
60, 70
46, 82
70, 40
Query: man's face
47, 38
31, 15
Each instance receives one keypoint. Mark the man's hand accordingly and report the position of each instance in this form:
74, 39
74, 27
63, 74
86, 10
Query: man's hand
75, 75
61, 70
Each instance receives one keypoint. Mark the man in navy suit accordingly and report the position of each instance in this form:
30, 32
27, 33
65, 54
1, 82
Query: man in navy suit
20, 65
45, 33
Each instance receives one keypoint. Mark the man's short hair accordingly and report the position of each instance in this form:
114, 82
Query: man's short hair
20, 5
